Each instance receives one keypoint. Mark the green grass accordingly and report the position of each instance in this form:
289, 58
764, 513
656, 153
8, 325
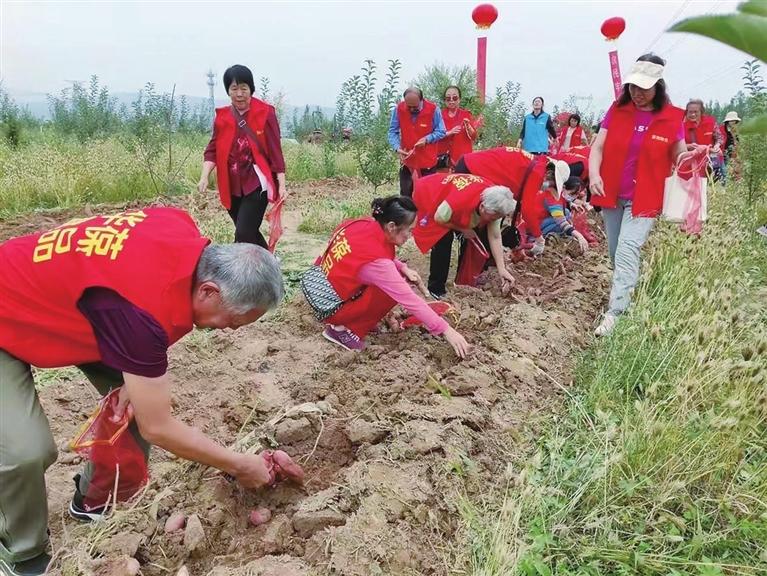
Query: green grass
323, 215
51, 171
657, 462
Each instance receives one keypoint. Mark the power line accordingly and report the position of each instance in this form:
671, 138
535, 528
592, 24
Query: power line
683, 37
714, 76
663, 30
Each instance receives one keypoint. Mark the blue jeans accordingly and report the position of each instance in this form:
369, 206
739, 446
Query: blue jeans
625, 237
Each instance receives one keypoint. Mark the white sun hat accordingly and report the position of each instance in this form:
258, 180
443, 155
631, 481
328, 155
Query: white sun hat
561, 173
732, 116
644, 74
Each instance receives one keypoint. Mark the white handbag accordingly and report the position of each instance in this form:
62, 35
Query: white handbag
686, 198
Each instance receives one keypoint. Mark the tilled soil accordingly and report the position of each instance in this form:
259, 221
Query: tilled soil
388, 437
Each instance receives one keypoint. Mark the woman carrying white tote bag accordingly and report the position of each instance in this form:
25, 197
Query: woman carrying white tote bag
685, 197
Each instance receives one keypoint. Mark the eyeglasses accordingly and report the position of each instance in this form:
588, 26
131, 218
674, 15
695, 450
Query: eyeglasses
452, 98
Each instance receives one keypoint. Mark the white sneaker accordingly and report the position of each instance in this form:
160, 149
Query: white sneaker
607, 325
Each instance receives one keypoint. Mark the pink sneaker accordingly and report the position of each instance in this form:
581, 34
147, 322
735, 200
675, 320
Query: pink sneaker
344, 338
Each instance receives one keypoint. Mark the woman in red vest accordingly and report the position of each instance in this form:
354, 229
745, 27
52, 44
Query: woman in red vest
640, 139
459, 124
701, 129
246, 152
571, 135
469, 204
361, 268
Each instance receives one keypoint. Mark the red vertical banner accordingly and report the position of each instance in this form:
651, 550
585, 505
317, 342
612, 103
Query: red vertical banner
615, 73
481, 67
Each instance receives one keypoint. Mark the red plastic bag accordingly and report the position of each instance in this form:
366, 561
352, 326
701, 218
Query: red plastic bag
439, 307
274, 217
115, 455
472, 263
581, 224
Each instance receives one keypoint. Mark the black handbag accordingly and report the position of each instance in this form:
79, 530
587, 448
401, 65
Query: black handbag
510, 233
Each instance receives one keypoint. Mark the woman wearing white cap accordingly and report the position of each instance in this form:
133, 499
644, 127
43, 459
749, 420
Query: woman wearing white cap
641, 137
730, 134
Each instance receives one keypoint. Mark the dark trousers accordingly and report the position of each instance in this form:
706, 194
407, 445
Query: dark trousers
247, 213
439, 263
460, 167
406, 179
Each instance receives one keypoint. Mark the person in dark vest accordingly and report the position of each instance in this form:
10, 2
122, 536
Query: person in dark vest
360, 264
110, 295
641, 138
246, 152
415, 128
537, 130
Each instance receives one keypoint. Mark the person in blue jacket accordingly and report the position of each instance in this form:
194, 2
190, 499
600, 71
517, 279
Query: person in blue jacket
537, 130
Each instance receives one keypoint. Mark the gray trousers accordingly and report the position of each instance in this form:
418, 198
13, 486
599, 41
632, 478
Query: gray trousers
625, 237
27, 449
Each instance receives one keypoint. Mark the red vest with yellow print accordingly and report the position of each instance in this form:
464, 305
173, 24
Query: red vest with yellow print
226, 130
701, 133
654, 163
463, 192
506, 166
147, 256
412, 131
458, 144
352, 245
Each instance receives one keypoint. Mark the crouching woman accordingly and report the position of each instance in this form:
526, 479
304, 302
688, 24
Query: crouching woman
358, 279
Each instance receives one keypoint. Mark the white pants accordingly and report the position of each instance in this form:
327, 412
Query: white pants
625, 237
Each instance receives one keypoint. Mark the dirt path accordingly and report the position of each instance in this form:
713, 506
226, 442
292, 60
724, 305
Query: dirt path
389, 438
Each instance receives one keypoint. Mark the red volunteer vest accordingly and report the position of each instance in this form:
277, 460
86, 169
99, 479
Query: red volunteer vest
575, 140
506, 166
148, 256
412, 131
460, 143
463, 192
701, 133
226, 131
655, 158
353, 244
576, 154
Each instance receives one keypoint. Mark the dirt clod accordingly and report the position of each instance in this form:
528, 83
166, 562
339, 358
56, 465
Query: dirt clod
194, 535
277, 536
307, 523
360, 431
119, 566
125, 543
292, 431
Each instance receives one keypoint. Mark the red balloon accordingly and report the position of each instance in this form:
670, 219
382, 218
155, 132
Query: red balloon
484, 15
613, 27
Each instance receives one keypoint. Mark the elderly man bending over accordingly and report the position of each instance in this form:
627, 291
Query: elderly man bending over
110, 294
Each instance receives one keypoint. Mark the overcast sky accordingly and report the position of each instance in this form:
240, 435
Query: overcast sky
307, 49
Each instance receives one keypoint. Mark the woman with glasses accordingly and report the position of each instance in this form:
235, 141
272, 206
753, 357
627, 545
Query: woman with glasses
460, 126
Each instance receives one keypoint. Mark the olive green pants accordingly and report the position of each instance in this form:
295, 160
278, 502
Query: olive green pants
27, 449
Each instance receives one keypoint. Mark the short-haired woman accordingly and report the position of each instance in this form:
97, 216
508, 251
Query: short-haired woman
246, 152
572, 135
459, 124
641, 138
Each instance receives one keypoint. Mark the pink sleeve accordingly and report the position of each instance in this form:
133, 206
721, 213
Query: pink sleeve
399, 264
384, 274
680, 135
